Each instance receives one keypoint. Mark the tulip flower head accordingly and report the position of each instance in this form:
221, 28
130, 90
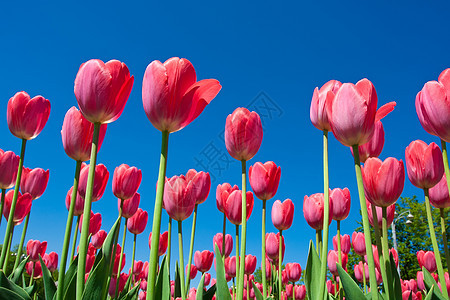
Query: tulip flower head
51, 261
126, 181
359, 244
34, 182
233, 206
9, 163
427, 259
137, 223
23, 206
36, 248
230, 266
162, 246
313, 210
98, 239
272, 245
333, 259
318, 110
179, 197
300, 292
283, 214
129, 206
218, 240
193, 271
123, 277
250, 264
264, 179
203, 260
100, 181
222, 193
341, 203
390, 214
293, 271
95, 223
37, 272
202, 184
439, 195
345, 243
79, 204
358, 269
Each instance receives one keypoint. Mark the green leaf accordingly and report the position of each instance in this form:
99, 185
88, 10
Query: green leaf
132, 295
6, 294
209, 294
258, 295
352, 290
429, 296
397, 286
126, 288
70, 280
162, 289
177, 292
96, 281
9, 285
49, 285
108, 244
199, 295
312, 275
31, 289
222, 291
429, 282
15, 276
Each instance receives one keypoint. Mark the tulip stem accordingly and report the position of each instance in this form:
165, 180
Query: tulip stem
243, 230
447, 175
82, 252
234, 287
293, 291
437, 254
444, 236
248, 287
263, 250
280, 259
62, 268
32, 275
2, 205
191, 247
366, 225
223, 235
22, 240
364, 275
318, 241
153, 261
385, 246
237, 257
113, 256
10, 225
445, 159
180, 247
169, 243
132, 260
75, 237
121, 257
380, 249
5, 265
339, 241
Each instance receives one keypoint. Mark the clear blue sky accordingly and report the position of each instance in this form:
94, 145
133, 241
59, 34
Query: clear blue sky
284, 50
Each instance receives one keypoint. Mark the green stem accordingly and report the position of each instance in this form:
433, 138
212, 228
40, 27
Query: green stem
153, 261
248, 286
22, 240
180, 247
318, 241
169, 243
445, 159
191, 247
293, 291
339, 241
62, 268
366, 225
364, 275
121, 257
82, 252
234, 288
5, 265
385, 246
437, 254
2, 205
132, 259
263, 250
379, 249
444, 236
113, 256
75, 237
271, 276
223, 235
32, 275
10, 225
243, 231
280, 260
237, 257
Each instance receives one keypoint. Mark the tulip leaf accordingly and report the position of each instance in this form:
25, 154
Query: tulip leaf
430, 293
31, 289
108, 244
132, 294
96, 281
177, 291
11, 286
352, 290
49, 284
70, 280
162, 289
397, 286
200, 290
126, 288
222, 291
9, 295
312, 276
15, 276
258, 295
209, 294
429, 282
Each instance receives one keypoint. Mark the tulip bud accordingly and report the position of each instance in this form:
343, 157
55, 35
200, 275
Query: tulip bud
203, 260
100, 180
341, 203
207, 279
282, 214
218, 240
250, 264
137, 223
264, 179
34, 182
230, 266
359, 243
129, 206
313, 210
9, 163
272, 245
202, 184
233, 206
98, 239
293, 271
162, 246
222, 193
36, 248
126, 181
345, 243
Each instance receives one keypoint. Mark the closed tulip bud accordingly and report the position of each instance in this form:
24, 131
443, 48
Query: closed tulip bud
9, 163
230, 266
222, 193
407, 295
51, 261
137, 223
203, 260
439, 196
202, 184
300, 292
179, 197
162, 246
102, 90
268, 269
218, 240
333, 258
193, 271
79, 204
126, 181
27, 116
359, 243
100, 181
345, 243
424, 164
293, 271
250, 264
95, 223
373, 147
142, 295
389, 213
341, 203
313, 210
129, 206
77, 133
34, 181
427, 259
264, 179
420, 282
331, 287
144, 273
207, 279
172, 96
410, 285
143, 285
282, 214
36, 248
233, 206
243, 134
318, 110
383, 180
37, 269
289, 291
137, 268
116, 270
358, 269
23, 206
98, 239
123, 277
272, 245
394, 255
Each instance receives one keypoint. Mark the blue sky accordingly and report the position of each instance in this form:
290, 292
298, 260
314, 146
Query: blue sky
280, 50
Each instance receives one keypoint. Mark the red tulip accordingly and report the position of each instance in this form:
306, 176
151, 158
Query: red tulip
202, 184
116, 270
268, 267
333, 258
137, 268
34, 182
243, 134
222, 193
439, 196
27, 117
162, 246
95, 223
250, 264
179, 197
23, 206
407, 295
359, 244
100, 181
9, 163
37, 269
230, 266
77, 133
300, 292
36, 248
193, 271
409, 285
272, 245
426, 259
112, 287
377, 260
102, 90
79, 204
341, 203
172, 96
144, 272
264, 179
282, 214
358, 269
373, 147
389, 214
420, 282
137, 223
424, 164
318, 110
51, 261
313, 210
233, 206
129, 206
345, 243
98, 239
126, 181
289, 291
383, 180
218, 239
293, 271
331, 288
203, 260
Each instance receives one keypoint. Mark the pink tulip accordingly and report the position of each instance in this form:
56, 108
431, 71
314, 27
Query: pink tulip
345, 243
9, 163
230, 266
129, 206
172, 96
420, 282
250, 264
36, 248
264, 179
77, 133
282, 214
34, 182
359, 244
333, 259
377, 259
424, 164
218, 239
426, 259
142, 295
233, 206
410, 285
300, 292
95, 223
313, 210
268, 268
126, 181
202, 184
272, 245
137, 268
407, 295
116, 270
51, 261
293, 271
23, 206
193, 271
358, 269
179, 197
222, 193
79, 204
112, 287
341, 203
203, 260
439, 196
383, 180
318, 110
207, 279
37, 269
100, 181
137, 223
243, 134
331, 287
98, 239
373, 147
163, 241
102, 90
27, 117
289, 291
144, 272
389, 214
